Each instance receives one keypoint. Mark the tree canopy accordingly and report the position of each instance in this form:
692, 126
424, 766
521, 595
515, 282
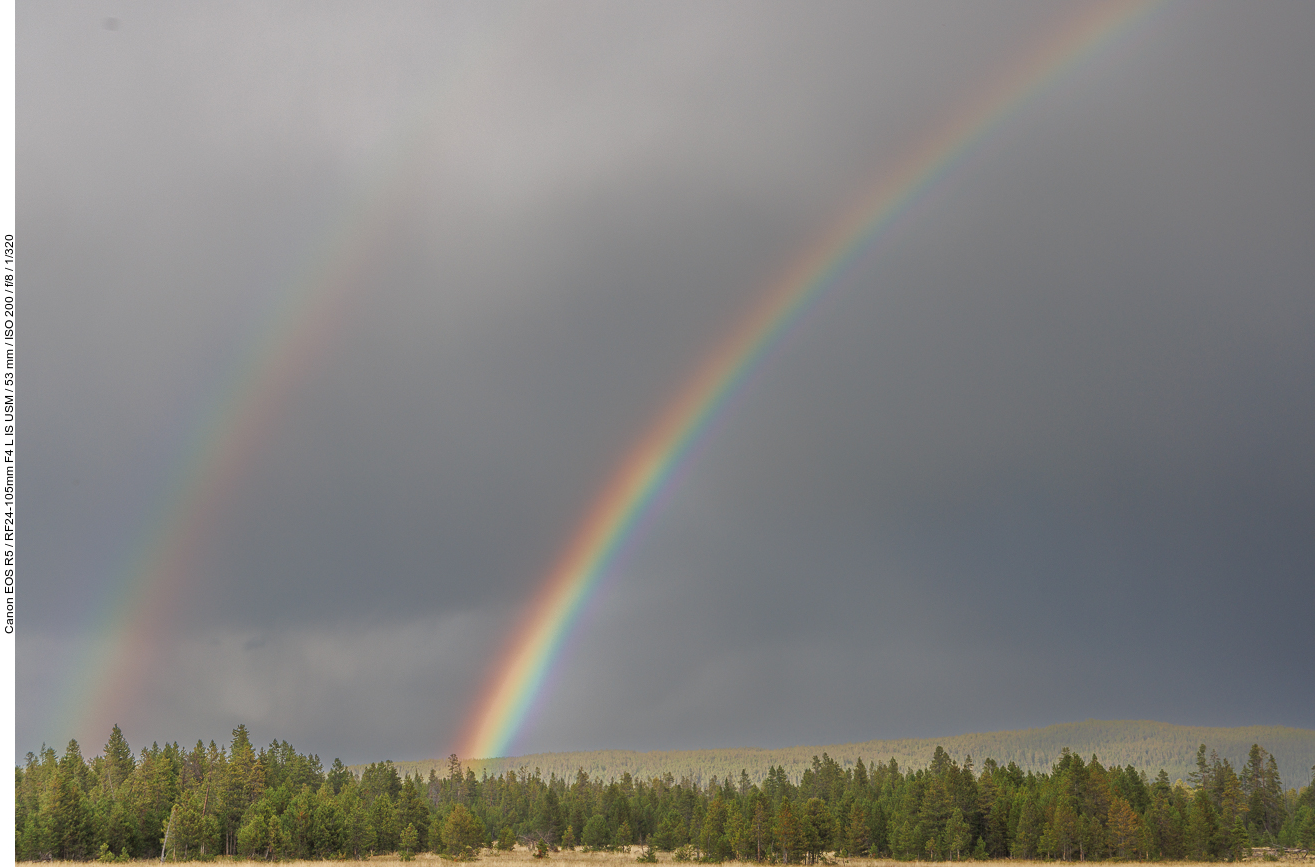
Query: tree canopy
277, 803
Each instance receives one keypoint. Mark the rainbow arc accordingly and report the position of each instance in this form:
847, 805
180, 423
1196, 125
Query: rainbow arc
517, 678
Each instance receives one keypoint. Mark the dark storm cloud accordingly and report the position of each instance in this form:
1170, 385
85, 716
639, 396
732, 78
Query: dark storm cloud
1045, 457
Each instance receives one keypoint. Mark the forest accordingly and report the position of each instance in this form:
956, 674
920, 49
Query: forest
1143, 743
274, 802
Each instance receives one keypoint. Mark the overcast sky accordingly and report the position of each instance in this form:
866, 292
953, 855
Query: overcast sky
1048, 454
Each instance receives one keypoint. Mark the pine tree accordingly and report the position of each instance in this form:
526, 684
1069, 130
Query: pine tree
738, 838
1165, 825
595, 834
66, 816
413, 809
243, 783
407, 843
858, 838
548, 820
957, 836
710, 833
436, 843
1201, 776
814, 827
760, 828
253, 837
299, 824
1124, 828
1061, 837
328, 822
1201, 827
462, 831
358, 834
383, 821
789, 835
119, 763
1237, 840
623, 837
1272, 808
338, 775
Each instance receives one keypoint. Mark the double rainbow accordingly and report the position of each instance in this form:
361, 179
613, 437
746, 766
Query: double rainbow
519, 675
147, 595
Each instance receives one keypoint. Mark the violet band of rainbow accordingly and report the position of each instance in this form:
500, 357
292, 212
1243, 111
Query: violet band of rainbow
517, 678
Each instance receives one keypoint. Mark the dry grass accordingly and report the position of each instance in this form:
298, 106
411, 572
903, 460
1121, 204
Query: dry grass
521, 857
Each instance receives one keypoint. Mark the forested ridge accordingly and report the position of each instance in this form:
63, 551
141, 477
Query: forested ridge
1143, 743
277, 803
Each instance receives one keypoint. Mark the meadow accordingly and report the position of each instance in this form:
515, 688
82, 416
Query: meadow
522, 857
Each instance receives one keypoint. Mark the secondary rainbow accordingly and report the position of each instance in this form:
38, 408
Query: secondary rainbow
133, 622
519, 674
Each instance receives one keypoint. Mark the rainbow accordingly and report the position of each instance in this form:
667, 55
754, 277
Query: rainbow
133, 620
628, 496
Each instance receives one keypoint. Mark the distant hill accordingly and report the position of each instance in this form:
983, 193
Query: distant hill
1148, 746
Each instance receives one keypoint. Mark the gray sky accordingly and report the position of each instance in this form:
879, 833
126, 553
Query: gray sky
1046, 455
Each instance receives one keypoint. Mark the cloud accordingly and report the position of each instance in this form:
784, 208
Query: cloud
1013, 469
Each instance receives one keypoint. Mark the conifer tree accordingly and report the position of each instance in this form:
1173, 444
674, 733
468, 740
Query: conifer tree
623, 837
119, 762
383, 822
957, 836
413, 809
760, 828
595, 834
358, 834
462, 831
299, 824
407, 842
337, 776
328, 822
739, 842
815, 827
436, 843
1271, 801
66, 814
1124, 828
1201, 827
1029, 830
243, 783
789, 835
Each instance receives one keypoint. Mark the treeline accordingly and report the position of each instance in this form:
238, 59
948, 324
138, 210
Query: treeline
1144, 744
277, 803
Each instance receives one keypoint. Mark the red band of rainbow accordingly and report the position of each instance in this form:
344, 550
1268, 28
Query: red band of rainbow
518, 676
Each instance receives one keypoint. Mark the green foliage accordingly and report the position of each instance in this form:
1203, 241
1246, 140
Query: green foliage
1151, 745
462, 831
407, 843
436, 843
383, 822
275, 803
595, 834
623, 837
671, 832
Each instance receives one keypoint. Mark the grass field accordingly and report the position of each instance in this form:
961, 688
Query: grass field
521, 857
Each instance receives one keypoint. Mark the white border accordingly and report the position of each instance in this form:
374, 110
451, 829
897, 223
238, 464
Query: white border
8, 38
